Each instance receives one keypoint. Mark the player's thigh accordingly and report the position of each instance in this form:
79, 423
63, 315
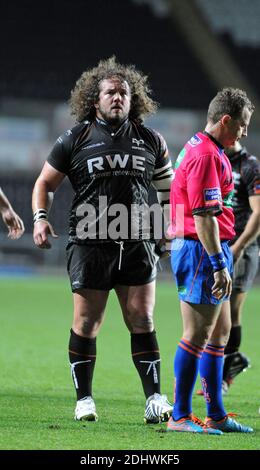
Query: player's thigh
137, 299
89, 303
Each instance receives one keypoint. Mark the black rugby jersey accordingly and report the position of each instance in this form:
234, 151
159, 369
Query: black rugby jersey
246, 175
109, 171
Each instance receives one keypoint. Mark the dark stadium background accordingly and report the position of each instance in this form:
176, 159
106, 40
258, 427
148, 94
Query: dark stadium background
188, 48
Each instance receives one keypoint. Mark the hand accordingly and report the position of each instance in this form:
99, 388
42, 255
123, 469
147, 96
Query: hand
13, 222
161, 248
42, 229
223, 284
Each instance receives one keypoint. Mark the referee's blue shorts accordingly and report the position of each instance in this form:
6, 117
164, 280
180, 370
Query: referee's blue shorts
193, 271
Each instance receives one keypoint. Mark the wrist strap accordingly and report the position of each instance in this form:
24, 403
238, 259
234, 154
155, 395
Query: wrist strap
40, 214
218, 261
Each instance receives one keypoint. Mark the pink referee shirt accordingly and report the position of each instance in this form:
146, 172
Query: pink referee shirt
202, 182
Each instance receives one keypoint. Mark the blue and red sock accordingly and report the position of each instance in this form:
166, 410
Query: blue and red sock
211, 373
186, 367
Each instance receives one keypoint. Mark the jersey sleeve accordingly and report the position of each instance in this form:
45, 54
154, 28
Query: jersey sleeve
162, 156
251, 176
163, 172
203, 185
60, 154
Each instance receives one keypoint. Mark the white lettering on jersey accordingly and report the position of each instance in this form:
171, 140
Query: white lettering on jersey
95, 162
138, 163
116, 161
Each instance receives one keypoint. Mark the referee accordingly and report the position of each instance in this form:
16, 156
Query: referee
111, 160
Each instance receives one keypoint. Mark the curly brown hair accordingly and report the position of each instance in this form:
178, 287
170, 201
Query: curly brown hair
86, 91
229, 101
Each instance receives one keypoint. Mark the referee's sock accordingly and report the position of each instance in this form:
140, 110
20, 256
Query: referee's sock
146, 357
211, 373
186, 368
82, 356
234, 339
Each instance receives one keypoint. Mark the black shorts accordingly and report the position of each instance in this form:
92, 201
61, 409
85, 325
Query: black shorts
103, 265
245, 269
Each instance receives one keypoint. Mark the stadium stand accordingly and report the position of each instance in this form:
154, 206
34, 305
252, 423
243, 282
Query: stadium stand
47, 45
237, 25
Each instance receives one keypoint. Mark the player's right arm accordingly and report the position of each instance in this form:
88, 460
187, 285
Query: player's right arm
46, 184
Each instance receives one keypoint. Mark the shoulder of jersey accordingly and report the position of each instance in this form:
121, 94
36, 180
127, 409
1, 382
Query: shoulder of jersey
253, 158
149, 130
155, 134
195, 140
248, 157
73, 131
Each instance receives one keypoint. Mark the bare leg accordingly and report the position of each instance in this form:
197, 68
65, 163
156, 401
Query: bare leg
89, 309
198, 322
220, 334
137, 304
237, 302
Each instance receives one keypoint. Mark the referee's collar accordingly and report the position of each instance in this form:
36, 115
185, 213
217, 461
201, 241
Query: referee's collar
220, 146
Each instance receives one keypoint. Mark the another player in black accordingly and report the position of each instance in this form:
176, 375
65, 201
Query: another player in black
111, 160
246, 206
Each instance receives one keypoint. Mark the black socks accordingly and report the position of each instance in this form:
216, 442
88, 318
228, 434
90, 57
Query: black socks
146, 357
82, 355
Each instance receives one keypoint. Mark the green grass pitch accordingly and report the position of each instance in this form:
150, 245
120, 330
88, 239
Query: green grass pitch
37, 395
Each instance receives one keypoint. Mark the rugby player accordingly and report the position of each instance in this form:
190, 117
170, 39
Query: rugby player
112, 160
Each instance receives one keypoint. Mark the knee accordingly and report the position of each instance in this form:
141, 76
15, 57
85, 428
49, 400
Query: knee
198, 337
140, 322
220, 335
86, 325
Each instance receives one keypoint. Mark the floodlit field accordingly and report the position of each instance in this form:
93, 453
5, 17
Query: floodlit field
37, 397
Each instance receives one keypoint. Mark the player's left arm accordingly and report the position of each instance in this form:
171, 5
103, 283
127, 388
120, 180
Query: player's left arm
12, 220
162, 179
251, 230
